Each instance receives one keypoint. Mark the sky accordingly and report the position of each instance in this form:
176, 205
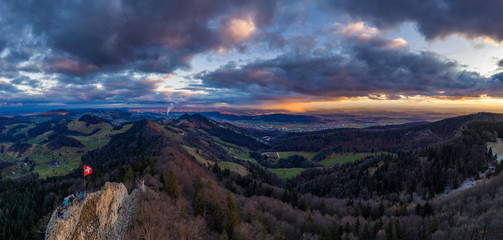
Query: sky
296, 56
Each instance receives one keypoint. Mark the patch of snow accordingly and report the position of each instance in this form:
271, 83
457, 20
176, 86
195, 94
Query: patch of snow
467, 183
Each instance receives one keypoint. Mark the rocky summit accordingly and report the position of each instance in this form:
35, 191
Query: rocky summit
104, 214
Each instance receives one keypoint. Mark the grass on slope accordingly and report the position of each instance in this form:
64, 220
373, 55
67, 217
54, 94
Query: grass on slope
285, 173
242, 154
11, 126
192, 151
342, 158
68, 158
239, 169
308, 155
234, 150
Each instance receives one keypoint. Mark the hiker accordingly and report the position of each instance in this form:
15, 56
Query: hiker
80, 196
71, 197
60, 212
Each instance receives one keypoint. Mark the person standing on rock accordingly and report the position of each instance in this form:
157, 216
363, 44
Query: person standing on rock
60, 212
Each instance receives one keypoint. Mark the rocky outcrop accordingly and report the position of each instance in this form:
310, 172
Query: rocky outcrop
104, 214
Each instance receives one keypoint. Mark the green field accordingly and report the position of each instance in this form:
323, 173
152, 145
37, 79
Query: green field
342, 158
308, 155
285, 173
239, 169
69, 158
241, 154
233, 149
194, 152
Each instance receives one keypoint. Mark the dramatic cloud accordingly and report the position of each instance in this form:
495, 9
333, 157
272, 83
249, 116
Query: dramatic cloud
369, 66
96, 51
237, 52
150, 36
434, 18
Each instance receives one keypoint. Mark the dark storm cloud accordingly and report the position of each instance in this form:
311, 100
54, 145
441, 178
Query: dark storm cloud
434, 18
500, 63
148, 35
7, 87
102, 51
373, 68
27, 81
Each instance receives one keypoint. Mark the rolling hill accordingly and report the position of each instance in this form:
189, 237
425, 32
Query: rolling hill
211, 180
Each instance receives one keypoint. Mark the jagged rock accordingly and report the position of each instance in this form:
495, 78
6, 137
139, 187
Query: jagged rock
105, 214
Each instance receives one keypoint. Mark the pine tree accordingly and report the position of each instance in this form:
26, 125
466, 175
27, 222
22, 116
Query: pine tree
129, 175
347, 228
418, 209
170, 185
432, 227
357, 226
285, 197
366, 232
359, 209
233, 217
308, 226
377, 226
161, 179
224, 235
322, 205
381, 209
428, 209
325, 233
198, 202
393, 231
339, 232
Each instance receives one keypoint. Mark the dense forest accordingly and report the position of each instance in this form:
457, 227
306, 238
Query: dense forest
394, 195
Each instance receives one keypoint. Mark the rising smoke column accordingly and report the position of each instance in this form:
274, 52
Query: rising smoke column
169, 109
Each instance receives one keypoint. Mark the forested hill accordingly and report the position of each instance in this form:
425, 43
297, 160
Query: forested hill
394, 140
210, 180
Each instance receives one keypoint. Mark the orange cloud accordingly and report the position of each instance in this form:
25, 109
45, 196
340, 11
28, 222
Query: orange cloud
240, 29
396, 43
359, 30
170, 76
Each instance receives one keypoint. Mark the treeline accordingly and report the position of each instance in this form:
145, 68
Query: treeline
425, 171
25, 205
294, 161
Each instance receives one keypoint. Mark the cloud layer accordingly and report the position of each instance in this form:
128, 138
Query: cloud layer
143, 52
369, 65
434, 18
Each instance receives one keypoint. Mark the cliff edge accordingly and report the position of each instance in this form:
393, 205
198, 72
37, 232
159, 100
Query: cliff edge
104, 214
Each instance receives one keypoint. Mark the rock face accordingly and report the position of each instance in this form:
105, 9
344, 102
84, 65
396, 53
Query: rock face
105, 214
